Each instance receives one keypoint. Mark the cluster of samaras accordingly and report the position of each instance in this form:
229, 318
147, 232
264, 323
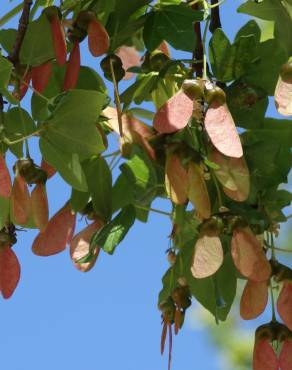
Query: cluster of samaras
86, 24
32, 208
185, 180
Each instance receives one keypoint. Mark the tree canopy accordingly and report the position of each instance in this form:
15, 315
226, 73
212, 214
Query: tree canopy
192, 130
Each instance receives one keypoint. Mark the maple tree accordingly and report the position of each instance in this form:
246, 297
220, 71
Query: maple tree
208, 147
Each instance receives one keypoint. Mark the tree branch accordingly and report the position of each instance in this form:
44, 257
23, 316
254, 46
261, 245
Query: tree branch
215, 17
199, 50
1, 103
22, 27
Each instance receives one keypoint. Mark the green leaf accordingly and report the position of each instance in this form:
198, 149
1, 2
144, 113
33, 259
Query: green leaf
99, 180
123, 35
103, 8
249, 29
247, 104
72, 128
174, 24
109, 236
88, 79
274, 201
272, 10
269, 159
5, 75
18, 123
229, 62
12, 13
78, 200
143, 113
7, 39
68, 165
122, 193
226, 282
124, 12
37, 46
140, 89
152, 38
219, 54
264, 71
141, 176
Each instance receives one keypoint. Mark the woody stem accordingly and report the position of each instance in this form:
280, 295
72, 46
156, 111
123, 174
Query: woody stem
22, 27
273, 302
117, 98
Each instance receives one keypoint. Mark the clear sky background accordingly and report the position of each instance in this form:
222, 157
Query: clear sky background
60, 318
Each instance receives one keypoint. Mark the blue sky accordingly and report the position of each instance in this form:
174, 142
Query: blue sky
59, 318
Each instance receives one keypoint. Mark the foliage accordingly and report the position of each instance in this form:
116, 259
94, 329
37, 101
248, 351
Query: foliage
209, 147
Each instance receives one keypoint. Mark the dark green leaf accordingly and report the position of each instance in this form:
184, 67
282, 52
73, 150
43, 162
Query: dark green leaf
37, 46
5, 75
226, 282
273, 10
122, 193
250, 28
229, 62
264, 71
175, 25
141, 174
151, 37
99, 180
114, 232
78, 200
68, 165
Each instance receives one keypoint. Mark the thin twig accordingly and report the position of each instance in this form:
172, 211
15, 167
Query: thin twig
1, 103
153, 210
22, 27
204, 50
273, 247
112, 154
214, 4
23, 138
283, 250
30, 87
117, 99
